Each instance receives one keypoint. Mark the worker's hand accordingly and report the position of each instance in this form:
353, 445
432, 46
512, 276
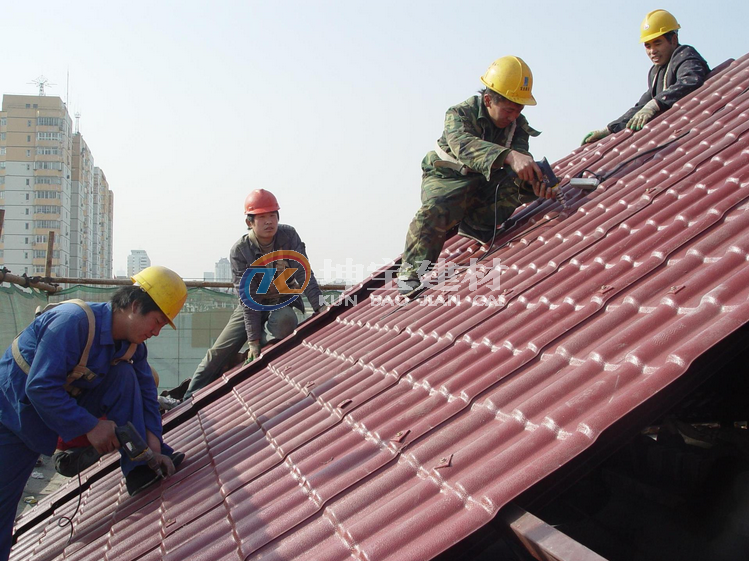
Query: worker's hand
103, 438
524, 166
165, 463
639, 119
541, 190
253, 351
595, 136
320, 310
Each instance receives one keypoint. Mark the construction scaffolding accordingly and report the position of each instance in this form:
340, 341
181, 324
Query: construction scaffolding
174, 353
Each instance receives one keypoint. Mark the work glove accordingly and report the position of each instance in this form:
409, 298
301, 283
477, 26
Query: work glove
639, 119
253, 351
595, 136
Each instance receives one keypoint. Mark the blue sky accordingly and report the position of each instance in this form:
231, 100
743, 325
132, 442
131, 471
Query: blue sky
331, 105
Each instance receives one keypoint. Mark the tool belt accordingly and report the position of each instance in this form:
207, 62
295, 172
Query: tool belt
80, 370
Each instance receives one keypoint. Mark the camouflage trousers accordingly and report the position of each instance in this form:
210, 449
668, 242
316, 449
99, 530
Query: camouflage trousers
447, 199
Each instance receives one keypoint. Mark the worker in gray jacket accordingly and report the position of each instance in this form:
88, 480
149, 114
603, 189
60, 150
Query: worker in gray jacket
259, 327
677, 70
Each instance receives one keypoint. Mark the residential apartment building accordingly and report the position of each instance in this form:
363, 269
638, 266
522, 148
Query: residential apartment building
137, 261
223, 270
81, 210
47, 184
104, 213
36, 144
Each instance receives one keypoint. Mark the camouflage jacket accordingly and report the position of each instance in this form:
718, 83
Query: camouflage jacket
244, 253
685, 72
472, 138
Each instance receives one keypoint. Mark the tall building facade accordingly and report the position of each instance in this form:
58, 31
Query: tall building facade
137, 261
104, 213
36, 144
223, 270
81, 210
48, 184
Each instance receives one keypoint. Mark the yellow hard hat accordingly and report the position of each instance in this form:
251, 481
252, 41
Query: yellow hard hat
510, 77
656, 23
166, 289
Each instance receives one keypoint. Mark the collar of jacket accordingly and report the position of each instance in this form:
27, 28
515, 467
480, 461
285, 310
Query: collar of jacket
279, 240
105, 331
483, 117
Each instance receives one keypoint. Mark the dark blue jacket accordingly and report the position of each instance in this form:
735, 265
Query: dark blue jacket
685, 72
35, 406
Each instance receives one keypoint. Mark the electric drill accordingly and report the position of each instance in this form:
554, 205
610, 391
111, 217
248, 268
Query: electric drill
549, 179
136, 448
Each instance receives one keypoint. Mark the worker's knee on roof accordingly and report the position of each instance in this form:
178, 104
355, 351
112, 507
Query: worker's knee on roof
282, 322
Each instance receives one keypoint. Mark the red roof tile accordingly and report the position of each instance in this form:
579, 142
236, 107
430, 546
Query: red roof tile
395, 434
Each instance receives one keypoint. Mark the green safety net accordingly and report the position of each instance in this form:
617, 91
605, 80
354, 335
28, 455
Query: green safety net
174, 354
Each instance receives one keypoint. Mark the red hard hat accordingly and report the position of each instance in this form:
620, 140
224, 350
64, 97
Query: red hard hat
260, 201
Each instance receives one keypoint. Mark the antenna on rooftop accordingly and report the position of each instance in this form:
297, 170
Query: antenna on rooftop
77, 122
42, 82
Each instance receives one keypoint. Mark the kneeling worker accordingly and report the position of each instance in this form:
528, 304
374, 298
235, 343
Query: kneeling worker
677, 70
265, 235
479, 172
74, 364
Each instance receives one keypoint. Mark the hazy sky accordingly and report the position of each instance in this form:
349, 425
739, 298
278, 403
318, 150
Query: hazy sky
331, 105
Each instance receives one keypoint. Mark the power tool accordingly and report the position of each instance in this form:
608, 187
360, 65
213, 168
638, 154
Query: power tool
549, 179
136, 448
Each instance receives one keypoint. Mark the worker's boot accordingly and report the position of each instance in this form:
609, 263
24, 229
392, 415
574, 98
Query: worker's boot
142, 477
484, 237
408, 286
73, 461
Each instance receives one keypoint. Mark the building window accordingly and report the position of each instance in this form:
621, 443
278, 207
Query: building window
27, 211
2, 150
28, 123
2, 165
46, 209
27, 182
48, 121
28, 106
27, 196
46, 194
41, 239
48, 180
48, 224
26, 240
48, 136
25, 254
48, 165
2, 136
28, 138
28, 153
27, 225
36, 106
3, 121
47, 151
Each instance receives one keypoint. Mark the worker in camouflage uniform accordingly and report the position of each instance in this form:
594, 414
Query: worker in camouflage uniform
677, 70
481, 157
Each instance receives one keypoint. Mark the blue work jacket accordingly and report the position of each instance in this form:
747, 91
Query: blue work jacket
36, 406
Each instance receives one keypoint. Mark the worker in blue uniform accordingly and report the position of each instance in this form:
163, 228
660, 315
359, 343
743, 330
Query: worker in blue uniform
75, 364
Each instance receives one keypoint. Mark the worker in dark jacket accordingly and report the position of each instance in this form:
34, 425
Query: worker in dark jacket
677, 70
250, 326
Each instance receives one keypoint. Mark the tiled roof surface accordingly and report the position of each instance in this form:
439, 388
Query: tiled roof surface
395, 434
